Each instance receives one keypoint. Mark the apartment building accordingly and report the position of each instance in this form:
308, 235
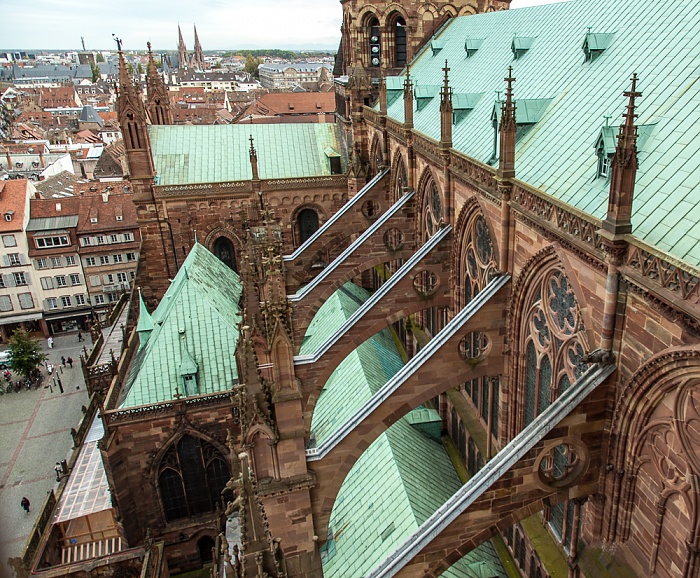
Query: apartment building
53, 248
20, 300
109, 240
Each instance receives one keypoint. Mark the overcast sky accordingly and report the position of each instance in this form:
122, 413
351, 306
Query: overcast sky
221, 24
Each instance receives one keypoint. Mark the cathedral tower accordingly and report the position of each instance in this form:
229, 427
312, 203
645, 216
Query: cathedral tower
157, 100
388, 34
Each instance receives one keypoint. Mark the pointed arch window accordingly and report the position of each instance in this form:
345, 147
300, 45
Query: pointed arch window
192, 476
432, 210
478, 259
401, 182
554, 343
224, 251
399, 30
307, 221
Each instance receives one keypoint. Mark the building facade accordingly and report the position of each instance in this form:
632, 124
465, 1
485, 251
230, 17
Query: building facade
286, 76
20, 299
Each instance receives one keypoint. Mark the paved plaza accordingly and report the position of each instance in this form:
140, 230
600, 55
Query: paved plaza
34, 435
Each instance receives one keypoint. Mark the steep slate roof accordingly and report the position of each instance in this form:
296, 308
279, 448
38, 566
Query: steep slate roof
201, 306
401, 479
88, 114
557, 154
220, 153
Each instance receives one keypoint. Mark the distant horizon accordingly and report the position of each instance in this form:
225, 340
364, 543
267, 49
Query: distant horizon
173, 50
290, 25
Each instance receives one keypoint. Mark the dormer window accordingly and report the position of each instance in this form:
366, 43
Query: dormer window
9, 215
463, 104
436, 46
605, 149
594, 44
424, 93
520, 45
336, 166
471, 45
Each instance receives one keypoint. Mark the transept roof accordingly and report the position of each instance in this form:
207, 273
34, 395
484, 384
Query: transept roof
201, 308
219, 153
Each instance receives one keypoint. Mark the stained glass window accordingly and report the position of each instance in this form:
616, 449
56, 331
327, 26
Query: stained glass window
478, 261
554, 343
193, 475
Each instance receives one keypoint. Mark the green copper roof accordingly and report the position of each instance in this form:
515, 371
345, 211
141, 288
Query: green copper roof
656, 40
195, 331
185, 154
145, 325
402, 478
399, 481
363, 372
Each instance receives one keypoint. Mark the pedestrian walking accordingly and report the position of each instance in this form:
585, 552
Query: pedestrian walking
49, 342
70, 362
63, 360
80, 337
59, 470
25, 504
49, 368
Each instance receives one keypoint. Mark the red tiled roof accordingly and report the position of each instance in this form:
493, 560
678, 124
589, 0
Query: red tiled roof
105, 202
13, 197
285, 103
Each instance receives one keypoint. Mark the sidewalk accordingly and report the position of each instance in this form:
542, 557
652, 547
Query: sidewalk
35, 429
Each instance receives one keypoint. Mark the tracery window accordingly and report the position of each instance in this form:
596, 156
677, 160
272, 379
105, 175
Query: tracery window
376, 160
478, 258
554, 343
192, 476
432, 210
401, 181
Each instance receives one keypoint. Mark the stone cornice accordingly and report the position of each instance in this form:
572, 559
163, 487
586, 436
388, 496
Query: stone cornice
244, 188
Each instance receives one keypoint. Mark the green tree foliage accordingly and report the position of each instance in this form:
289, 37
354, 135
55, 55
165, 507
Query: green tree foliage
99, 57
284, 54
95, 72
26, 353
139, 68
251, 65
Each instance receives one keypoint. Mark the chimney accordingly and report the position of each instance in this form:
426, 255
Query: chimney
105, 197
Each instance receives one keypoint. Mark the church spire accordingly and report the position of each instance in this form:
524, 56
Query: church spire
624, 170
198, 58
132, 119
181, 50
157, 100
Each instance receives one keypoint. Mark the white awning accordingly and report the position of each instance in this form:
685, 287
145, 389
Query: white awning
20, 318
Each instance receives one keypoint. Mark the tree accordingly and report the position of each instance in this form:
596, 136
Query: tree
139, 68
26, 353
95, 72
251, 65
99, 57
